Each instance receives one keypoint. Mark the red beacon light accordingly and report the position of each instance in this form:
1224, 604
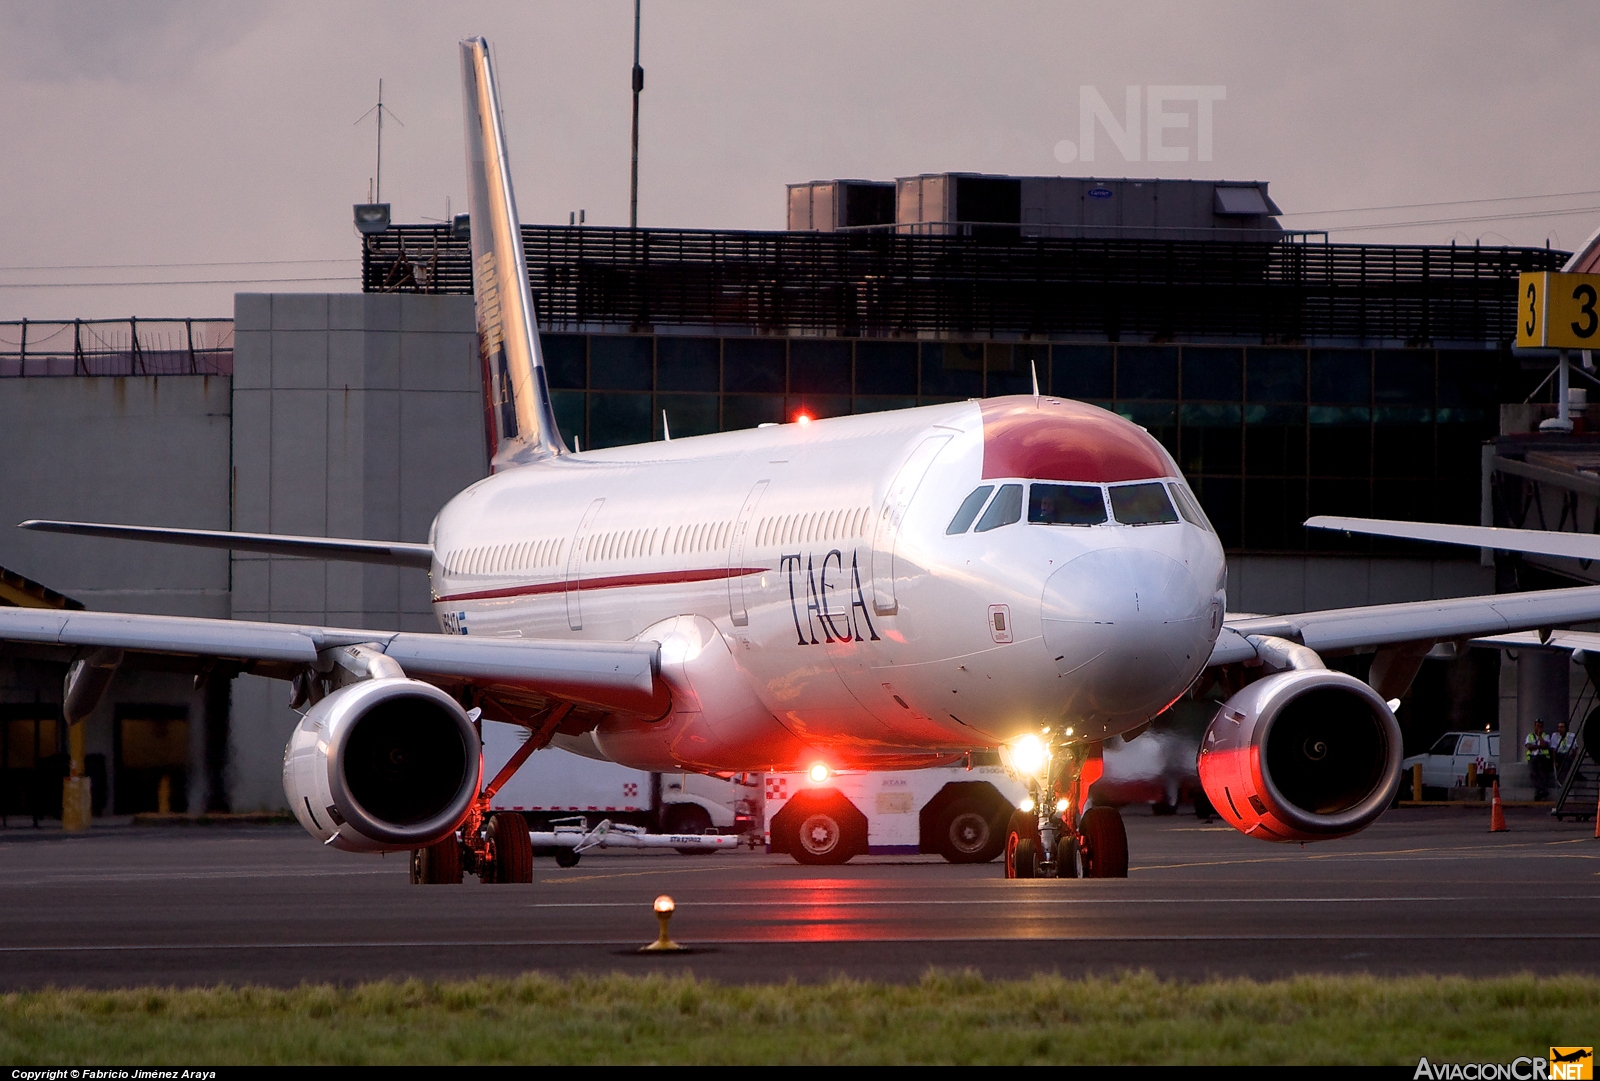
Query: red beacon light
802, 418
819, 772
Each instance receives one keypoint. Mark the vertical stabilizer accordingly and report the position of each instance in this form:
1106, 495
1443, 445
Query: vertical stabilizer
518, 417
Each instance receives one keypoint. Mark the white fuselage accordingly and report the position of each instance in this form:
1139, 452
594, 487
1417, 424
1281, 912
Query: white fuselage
818, 554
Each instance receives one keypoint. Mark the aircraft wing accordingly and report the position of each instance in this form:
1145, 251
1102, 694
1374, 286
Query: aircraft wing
1585, 641
1358, 629
1533, 541
609, 675
388, 553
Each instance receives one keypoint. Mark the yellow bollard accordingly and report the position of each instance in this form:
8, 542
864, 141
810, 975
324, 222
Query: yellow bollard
1416, 782
1472, 775
164, 794
76, 796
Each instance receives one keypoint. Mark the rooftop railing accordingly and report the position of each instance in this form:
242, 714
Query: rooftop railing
884, 284
116, 347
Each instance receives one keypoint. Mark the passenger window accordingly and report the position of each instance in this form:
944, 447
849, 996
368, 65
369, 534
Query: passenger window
1446, 745
970, 507
1005, 509
1494, 746
1066, 504
1142, 504
1189, 508
1469, 745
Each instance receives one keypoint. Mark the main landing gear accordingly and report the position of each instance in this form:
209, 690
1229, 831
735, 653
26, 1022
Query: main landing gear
494, 845
499, 852
1051, 836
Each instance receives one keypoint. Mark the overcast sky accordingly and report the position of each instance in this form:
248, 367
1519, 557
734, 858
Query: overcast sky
210, 132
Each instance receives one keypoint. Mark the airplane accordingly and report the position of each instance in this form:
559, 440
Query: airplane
1026, 574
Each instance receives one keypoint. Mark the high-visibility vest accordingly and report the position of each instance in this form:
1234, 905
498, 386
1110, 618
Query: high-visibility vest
1537, 745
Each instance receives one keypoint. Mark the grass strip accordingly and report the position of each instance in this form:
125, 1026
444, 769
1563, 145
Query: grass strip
946, 1017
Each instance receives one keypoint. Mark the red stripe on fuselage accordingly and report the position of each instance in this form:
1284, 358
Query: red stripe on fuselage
620, 581
1057, 439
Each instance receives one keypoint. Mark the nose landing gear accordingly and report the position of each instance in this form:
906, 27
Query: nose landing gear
1052, 836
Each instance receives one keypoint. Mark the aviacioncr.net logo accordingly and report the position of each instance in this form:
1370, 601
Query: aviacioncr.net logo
1564, 1064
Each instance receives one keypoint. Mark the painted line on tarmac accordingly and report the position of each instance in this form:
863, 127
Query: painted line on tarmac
634, 874
190, 876
814, 902
234, 947
1377, 857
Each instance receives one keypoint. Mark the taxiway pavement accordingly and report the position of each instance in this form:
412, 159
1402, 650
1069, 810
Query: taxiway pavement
1423, 891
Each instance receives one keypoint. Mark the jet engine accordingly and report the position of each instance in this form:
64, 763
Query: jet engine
716, 718
383, 764
1304, 755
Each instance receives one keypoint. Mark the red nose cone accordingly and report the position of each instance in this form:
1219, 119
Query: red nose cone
1056, 439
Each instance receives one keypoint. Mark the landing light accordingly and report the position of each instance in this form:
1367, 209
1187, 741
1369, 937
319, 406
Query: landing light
818, 772
1026, 806
1062, 804
1030, 756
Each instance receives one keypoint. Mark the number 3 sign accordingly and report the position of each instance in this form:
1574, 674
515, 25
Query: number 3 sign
1558, 311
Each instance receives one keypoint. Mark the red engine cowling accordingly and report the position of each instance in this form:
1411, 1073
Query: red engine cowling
1305, 755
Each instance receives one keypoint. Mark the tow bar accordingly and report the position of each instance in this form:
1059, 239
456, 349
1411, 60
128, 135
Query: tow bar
575, 838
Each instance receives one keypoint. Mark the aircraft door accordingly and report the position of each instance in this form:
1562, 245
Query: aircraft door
891, 517
736, 550
575, 559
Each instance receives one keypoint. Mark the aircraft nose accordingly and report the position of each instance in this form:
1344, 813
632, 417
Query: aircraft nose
1128, 629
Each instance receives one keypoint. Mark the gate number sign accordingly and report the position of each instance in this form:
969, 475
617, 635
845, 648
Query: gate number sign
1558, 311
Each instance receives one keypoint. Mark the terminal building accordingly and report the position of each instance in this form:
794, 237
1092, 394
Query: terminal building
1288, 376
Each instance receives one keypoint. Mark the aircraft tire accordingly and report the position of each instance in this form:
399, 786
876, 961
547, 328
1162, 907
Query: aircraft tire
513, 849
437, 865
1022, 845
1023, 861
1105, 843
566, 857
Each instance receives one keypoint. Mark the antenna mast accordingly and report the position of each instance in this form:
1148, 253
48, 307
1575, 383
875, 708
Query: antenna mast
638, 85
380, 109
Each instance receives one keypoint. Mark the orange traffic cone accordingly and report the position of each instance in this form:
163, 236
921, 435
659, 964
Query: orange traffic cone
1597, 820
1497, 814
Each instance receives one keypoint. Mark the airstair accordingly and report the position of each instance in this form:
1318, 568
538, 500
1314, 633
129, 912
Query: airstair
1580, 788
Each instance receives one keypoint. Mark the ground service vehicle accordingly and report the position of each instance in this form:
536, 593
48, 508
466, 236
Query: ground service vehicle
1021, 574
958, 812
1445, 763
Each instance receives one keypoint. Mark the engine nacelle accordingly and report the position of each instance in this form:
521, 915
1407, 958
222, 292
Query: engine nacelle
1304, 755
716, 722
383, 765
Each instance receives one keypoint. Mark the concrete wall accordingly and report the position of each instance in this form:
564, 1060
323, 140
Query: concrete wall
146, 450
353, 416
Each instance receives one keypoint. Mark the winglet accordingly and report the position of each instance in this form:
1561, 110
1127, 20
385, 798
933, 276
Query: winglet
519, 419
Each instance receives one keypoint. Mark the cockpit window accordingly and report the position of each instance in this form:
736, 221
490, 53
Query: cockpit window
1142, 504
1189, 508
1005, 509
970, 507
1066, 504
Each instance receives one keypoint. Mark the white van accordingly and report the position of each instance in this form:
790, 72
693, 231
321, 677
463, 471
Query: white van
1445, 764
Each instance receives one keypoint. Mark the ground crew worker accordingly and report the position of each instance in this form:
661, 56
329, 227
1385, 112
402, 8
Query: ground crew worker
1537, 744
1562, 744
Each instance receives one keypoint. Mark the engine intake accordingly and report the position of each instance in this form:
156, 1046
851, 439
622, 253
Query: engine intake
1308, 755
383, 764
